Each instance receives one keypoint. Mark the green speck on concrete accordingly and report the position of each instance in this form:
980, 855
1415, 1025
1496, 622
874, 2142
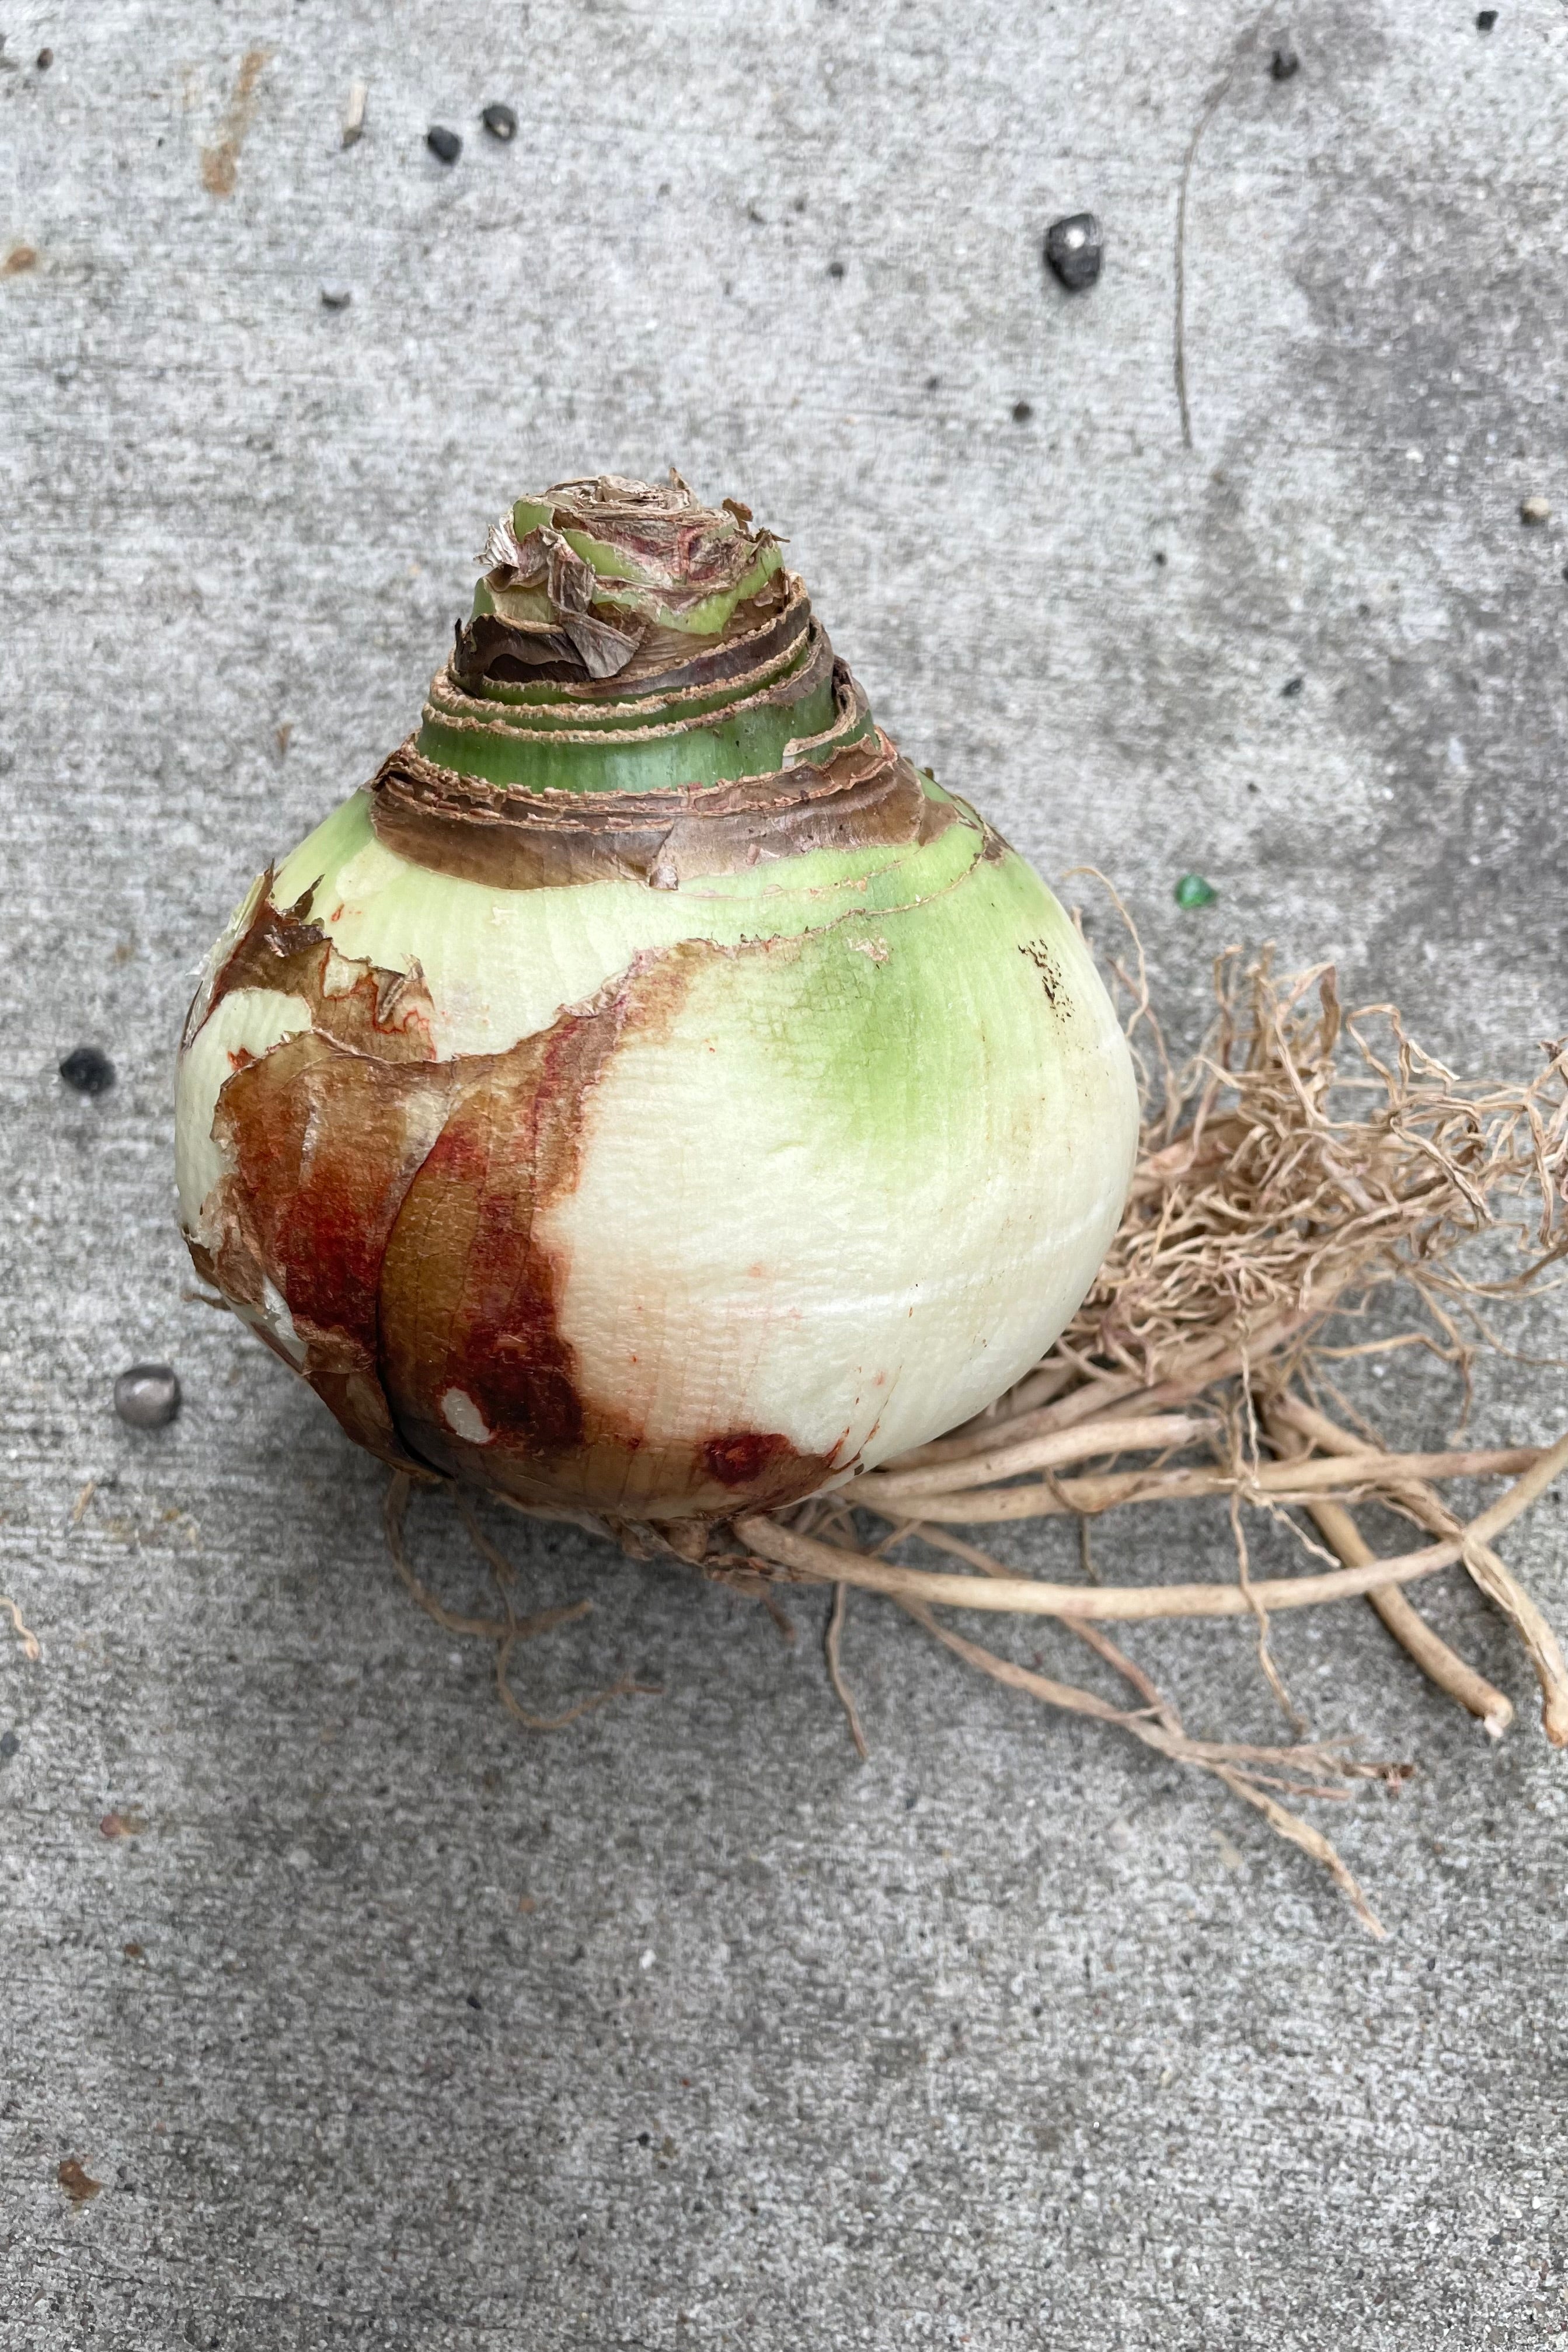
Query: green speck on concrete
1192, 890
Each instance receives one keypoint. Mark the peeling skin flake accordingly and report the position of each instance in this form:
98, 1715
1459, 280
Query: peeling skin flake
271, 1321
245, 1025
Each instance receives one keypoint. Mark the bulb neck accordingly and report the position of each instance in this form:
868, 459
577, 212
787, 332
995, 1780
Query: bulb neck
752, 702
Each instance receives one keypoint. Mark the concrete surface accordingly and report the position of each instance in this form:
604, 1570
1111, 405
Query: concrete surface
681, 2027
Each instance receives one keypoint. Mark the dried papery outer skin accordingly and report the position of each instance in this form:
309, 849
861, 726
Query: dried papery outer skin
765, 635
750, 734
654, 548
499, 964
652, 1094
245, 1026
588, 572
325, 1143
863, 796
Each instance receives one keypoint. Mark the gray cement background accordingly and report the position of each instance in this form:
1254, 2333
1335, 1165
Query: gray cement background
1008, 2038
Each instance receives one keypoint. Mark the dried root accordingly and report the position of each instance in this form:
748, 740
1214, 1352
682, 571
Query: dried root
505, 1631
1305, 1160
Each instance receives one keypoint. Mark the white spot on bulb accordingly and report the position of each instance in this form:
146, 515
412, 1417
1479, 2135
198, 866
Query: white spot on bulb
463, 1417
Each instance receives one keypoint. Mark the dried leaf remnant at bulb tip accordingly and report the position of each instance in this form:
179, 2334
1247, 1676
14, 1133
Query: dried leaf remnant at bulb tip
593, 566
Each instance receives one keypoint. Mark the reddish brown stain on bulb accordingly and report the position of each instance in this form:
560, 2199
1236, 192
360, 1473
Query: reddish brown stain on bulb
469, 1295
742, 1456
323, 1135
395, 1203
323, 1144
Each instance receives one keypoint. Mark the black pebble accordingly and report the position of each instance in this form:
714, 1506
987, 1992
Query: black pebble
147, 1396
1292, 687
835, 270
1075, 248
46, 60
9, 1743
1022, 412
500, 122
1283, 64
443, 143
473, 2000
1485, 19
642, 2138
88, 1070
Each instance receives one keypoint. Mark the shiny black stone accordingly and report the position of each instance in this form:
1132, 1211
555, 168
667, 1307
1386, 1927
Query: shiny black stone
500, 122
88, 1070
147, 1396
443, 143
1075, 248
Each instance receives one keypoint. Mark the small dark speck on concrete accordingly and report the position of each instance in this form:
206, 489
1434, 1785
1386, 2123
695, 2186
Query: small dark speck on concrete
46, 60
500, 122
1485, 19
9, 1743
473, 2001
1075, 248
1291, 687
1284, 63
1160, 555
88, 1070
645, 2139
147, 1396
336, 297
443, 143
835, 270
934, 384
1022, 412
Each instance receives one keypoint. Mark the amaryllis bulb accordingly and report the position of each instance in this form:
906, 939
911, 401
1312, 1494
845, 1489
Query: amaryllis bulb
650, 1094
